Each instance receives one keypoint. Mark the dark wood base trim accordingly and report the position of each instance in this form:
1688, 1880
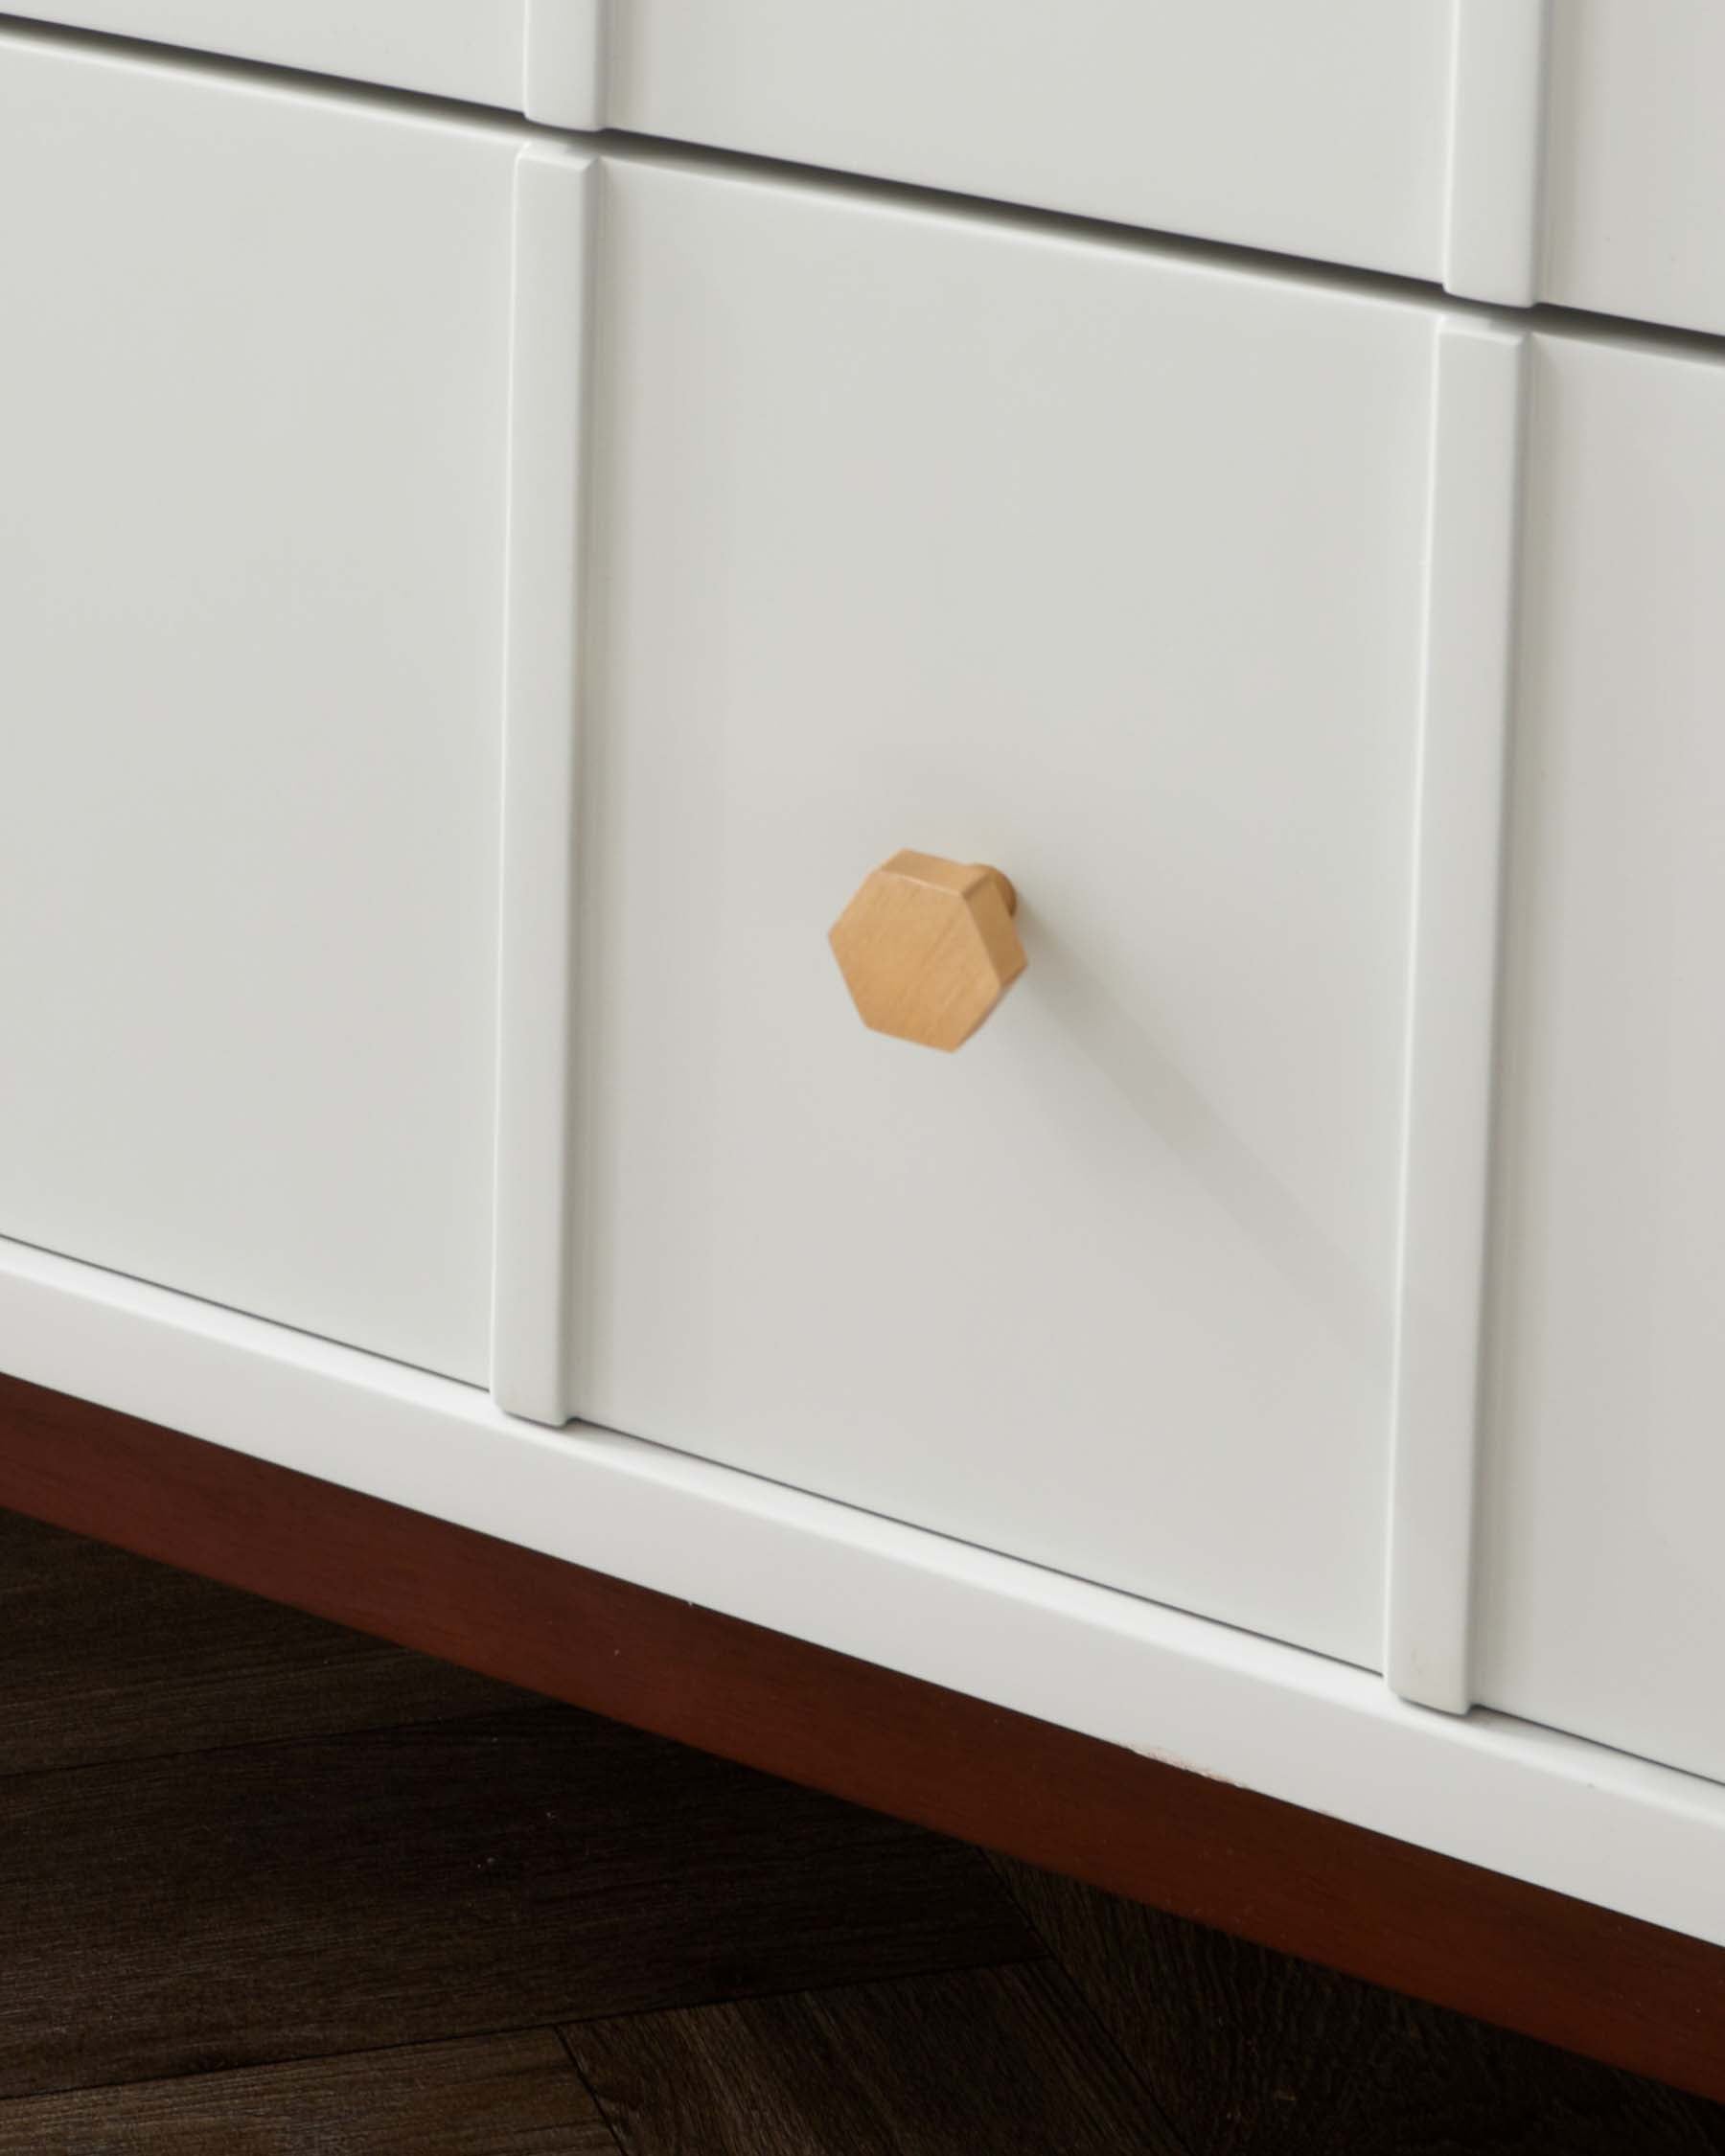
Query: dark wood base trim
1622, 1990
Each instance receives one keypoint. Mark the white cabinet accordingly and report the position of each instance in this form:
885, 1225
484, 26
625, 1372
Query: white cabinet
254, 396
473, 610
908, 526
1601, 1603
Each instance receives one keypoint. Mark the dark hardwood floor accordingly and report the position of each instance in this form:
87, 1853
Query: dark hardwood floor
268, 1888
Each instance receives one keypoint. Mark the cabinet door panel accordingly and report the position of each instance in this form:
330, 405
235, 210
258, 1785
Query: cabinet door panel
1318, 126
931, 530
451, 48
1602, 1597
252, 390
1636, 160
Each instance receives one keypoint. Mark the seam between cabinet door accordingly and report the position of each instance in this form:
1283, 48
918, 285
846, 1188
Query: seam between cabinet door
532, 1260
1478, 406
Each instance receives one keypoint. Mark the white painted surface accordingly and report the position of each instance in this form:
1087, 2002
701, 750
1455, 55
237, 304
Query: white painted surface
1492, 1790
916, 528
473, 48
564, 61
1406, 135
543, 57
1492, 235
545, 638
1318, 126
1135, 573
1403, 135
1510, 149
251, 535
1637, 160
1476, 412
1602, 1604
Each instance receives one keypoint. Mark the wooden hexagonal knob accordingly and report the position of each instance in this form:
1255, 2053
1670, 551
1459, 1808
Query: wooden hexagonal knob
928, 948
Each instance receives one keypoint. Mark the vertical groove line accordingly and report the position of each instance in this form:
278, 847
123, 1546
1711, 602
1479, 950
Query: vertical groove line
532, 1261
1479, 398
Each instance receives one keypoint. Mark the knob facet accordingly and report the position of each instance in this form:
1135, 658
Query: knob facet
928, 948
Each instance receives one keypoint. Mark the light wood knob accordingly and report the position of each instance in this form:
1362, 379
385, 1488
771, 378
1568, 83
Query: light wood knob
928, 948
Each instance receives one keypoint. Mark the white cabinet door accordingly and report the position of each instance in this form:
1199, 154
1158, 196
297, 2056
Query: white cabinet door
1601, 1602
255, 382
1104, 566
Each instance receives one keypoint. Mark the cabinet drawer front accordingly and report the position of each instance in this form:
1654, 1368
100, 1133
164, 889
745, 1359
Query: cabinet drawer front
927, 530
251, 394
1603, 1597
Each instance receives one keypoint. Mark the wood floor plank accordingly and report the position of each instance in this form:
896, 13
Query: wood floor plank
511, 1871
500, 2096
991, 2062
109, 1657
1253, 2054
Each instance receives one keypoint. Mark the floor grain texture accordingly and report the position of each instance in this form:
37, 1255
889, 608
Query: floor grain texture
271, 1889
450, 1878
1251, 2053
476, 2097
104, 1658
1005, 2060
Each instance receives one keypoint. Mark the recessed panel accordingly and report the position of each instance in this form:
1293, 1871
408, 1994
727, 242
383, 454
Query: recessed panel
920, 530
253, 388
